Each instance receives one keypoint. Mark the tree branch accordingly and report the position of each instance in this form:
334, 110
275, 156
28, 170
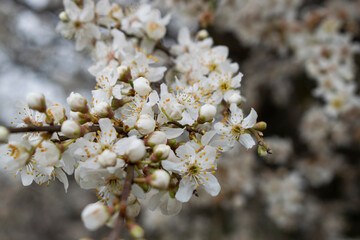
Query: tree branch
51, 129
123, 202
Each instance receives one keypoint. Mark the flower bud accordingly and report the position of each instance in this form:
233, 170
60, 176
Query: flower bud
4, 134
161, 152
107, 158
262, 151
103, 110
156, 138
136, 231
80, 117
207, 113
77, 103
174, 111
36, 101
64, 17
260, 126
145, 124
72, 129
133, 206
202, 34
160, 179
124, 73
57, 113
118, 103
136, 150
142, 86
155, 30
235, 98
95, 215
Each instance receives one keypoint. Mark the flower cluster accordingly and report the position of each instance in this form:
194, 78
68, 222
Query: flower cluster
328, 56
159, 118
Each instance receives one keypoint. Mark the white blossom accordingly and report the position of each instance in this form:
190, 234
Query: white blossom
95, 216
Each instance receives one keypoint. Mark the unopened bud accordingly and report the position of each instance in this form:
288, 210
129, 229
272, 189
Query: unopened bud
260, 126
103, 110
136, 150
262, 151
4, 134
124, 74
63, 16
142, 86
202, 34
145, 124
72, 129
174, 110
160, 179
77, 103
136, 231
161, 152
235, 98
107, 158
156, 138
133, 206
57, 113
117, 103
155, 30
207, 113
36, 101
80, 117
95, 215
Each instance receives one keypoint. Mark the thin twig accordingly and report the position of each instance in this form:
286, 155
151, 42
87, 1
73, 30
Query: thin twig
51, 129
123, 202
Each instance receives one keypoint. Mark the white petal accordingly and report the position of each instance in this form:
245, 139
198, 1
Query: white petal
121, 146
236, 114
185, 151
247, 140
172, 132
108, 132
26, 179
184, 36
207, 157
211, 184
116, 91
207, 137
138, 191
250, 120
62, 178
155, 200
186, 189
173, 206
173, 166
100, 96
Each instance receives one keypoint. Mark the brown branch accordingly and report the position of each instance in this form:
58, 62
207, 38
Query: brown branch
51, 129
260, 140
123, 202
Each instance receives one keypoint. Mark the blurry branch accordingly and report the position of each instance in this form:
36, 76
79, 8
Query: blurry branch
123, 203
51, 129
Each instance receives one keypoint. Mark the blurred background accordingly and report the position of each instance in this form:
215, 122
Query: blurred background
300, 61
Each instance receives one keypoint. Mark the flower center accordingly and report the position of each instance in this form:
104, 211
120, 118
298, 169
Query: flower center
193, 169
225, 86
77, 24
237, 130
